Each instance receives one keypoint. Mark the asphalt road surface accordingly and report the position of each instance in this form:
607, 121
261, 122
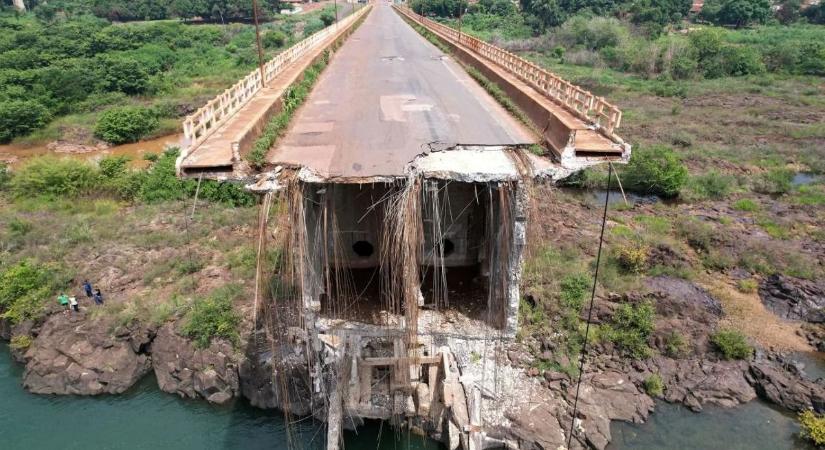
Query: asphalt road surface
387, 96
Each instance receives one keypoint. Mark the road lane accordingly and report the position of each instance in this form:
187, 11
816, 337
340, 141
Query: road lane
387, 96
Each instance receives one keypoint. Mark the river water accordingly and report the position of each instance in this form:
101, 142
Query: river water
16, 154
146, 418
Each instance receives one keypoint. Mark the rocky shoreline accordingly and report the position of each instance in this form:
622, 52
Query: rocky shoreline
81, 355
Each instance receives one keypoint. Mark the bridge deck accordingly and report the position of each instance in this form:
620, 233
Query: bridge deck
387, 96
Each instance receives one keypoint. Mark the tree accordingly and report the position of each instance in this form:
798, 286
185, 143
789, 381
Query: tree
815, 13
125, 124
548, 13
737, 13
123, 74
21, 117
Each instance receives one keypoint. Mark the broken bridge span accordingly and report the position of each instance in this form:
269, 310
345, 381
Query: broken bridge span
398, 200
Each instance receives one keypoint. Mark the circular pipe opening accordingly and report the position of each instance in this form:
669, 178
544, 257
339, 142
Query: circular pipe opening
448, 247
363, 249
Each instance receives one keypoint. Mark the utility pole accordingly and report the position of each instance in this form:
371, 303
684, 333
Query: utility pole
258, 39
336, 11
460, 13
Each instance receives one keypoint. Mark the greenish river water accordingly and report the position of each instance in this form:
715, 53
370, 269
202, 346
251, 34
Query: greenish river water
146, 418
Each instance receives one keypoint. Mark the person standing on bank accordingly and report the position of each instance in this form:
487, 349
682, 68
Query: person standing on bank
98, 297
87, 287
74, 305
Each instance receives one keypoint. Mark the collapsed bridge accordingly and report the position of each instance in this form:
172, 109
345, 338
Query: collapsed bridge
400, 192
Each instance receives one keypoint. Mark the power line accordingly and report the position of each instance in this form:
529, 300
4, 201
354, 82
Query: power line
590, 310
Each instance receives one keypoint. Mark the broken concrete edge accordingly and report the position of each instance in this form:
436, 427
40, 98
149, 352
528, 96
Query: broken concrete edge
237, 169
564, 151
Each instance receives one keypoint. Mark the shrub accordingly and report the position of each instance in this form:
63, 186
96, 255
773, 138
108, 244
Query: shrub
812, 427
747, 286
20, 342
654, 386
746, 204
731, 344
21, 117
632, 257
675, 345
214, 317
113, 166
327, 18
125, 124
775, 181
5, 176
631, 328
655, 170
123, 74
24, 288
574, 289
274, 39
52, 177
712, 185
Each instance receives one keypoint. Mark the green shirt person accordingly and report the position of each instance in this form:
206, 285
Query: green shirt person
63, 299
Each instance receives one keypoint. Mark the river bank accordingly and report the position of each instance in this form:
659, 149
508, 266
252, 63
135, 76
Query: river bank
123, 421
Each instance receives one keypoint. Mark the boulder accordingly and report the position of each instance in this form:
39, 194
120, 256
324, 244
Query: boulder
73, 355
183, 369
783, 387
794, 298
695, 382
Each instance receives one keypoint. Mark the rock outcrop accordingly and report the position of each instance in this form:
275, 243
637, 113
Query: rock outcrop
183, 369
780, 386
72, 355
794, 298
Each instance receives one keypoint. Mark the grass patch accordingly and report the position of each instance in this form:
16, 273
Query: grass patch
654, 385
20, 342
812, 427
746, 204
731, 344
214, 317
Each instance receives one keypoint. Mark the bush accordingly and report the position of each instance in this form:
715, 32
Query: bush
52, 177
274, 39
812, 427
21, 117
654, 386
675, 345
731, 344
775, 181
747, 286
214, 317
122, 74
125, 124
712, 185
25, 288
655, 170
327, 18
20, 342
746, 204
632, 257
574, 290
631, 328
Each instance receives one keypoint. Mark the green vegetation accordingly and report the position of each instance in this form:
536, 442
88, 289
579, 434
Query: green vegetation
574, 289
812, 427
125, 124
731, 344
20, 342
747, 286
214, 317
675, 345
62, 69
68, 178
655, 170
25, 289
746, 204
654, 386
630, 328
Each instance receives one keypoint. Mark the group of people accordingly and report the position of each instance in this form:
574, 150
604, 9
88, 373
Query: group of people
71, 304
